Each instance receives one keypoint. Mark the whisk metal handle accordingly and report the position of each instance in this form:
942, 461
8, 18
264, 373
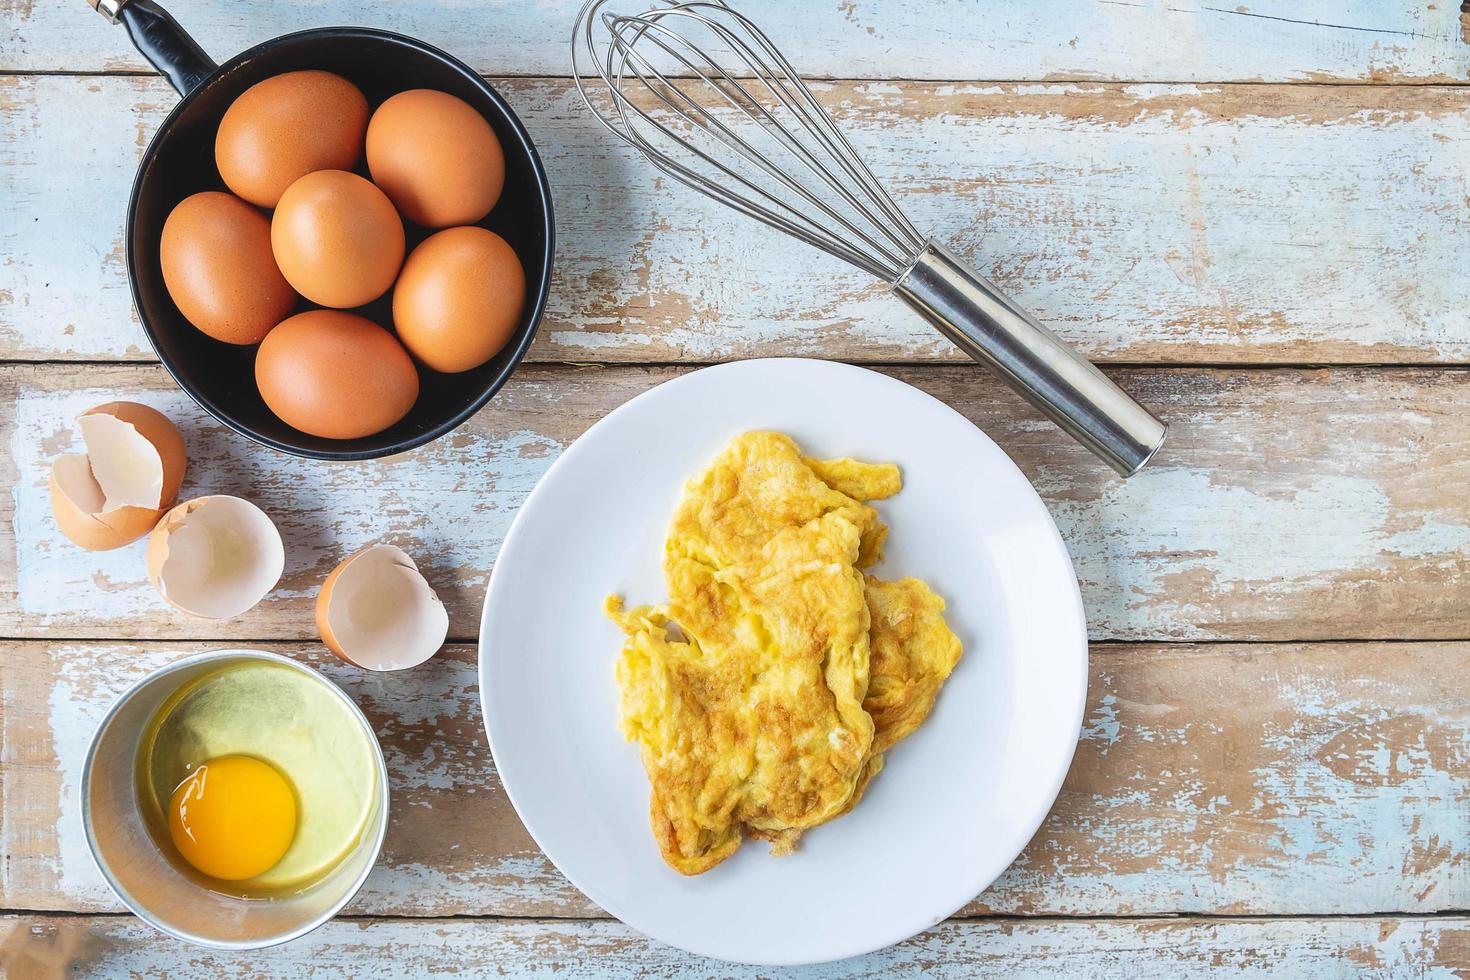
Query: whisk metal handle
986, 324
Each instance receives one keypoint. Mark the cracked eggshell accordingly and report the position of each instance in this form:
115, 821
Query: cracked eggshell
215, 557
76, 504
131, 473
376, 611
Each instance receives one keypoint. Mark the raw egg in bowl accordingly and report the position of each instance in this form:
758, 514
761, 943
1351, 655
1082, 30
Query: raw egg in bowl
235, 799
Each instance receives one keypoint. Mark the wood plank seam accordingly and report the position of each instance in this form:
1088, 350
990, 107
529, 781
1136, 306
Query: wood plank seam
1145, 223
1122, 82
1369, 545
1209, 779
1272, 40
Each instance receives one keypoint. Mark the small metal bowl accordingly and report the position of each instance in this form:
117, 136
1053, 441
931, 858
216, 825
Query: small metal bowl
148, 883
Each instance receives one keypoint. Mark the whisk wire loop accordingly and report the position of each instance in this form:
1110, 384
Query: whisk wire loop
754, 110
821, 124
829, 198
793, 221
744, 130
698, 115
787, 89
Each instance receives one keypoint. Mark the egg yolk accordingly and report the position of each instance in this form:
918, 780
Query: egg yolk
233, 818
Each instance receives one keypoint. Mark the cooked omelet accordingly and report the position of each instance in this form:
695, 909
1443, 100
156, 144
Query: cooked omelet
912, 654
763, 694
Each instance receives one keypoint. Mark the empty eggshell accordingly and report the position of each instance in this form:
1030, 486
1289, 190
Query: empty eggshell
76, 504
130, 474
376, 611
118, 433
215, 557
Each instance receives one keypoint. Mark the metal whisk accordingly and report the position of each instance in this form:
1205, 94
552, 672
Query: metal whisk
707, 98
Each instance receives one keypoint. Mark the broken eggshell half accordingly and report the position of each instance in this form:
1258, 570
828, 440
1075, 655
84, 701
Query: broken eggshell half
215, 557
116, 492
376, 611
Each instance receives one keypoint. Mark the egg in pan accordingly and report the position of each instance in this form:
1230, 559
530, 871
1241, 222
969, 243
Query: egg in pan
764, 693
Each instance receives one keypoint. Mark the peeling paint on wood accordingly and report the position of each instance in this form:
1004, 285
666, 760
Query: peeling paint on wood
1245, 223
1098, 174
1400, 948
1238, 779
453, 830
1286, 505
1272, 40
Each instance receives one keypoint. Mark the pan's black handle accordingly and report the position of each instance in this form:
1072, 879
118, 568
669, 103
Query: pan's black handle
161, 40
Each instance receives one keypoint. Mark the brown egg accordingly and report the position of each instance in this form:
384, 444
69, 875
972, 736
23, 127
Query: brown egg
335, 375
284, 128
219, 270
459, 298
337, 239
436, 158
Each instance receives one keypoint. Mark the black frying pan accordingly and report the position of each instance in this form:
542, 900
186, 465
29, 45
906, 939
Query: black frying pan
180, 161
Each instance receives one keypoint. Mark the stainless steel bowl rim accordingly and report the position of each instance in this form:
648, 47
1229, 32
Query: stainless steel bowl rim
140, 910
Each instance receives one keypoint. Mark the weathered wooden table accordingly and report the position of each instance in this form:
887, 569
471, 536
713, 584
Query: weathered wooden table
1259, 215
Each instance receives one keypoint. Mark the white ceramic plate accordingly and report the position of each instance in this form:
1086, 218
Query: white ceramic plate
957, 800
